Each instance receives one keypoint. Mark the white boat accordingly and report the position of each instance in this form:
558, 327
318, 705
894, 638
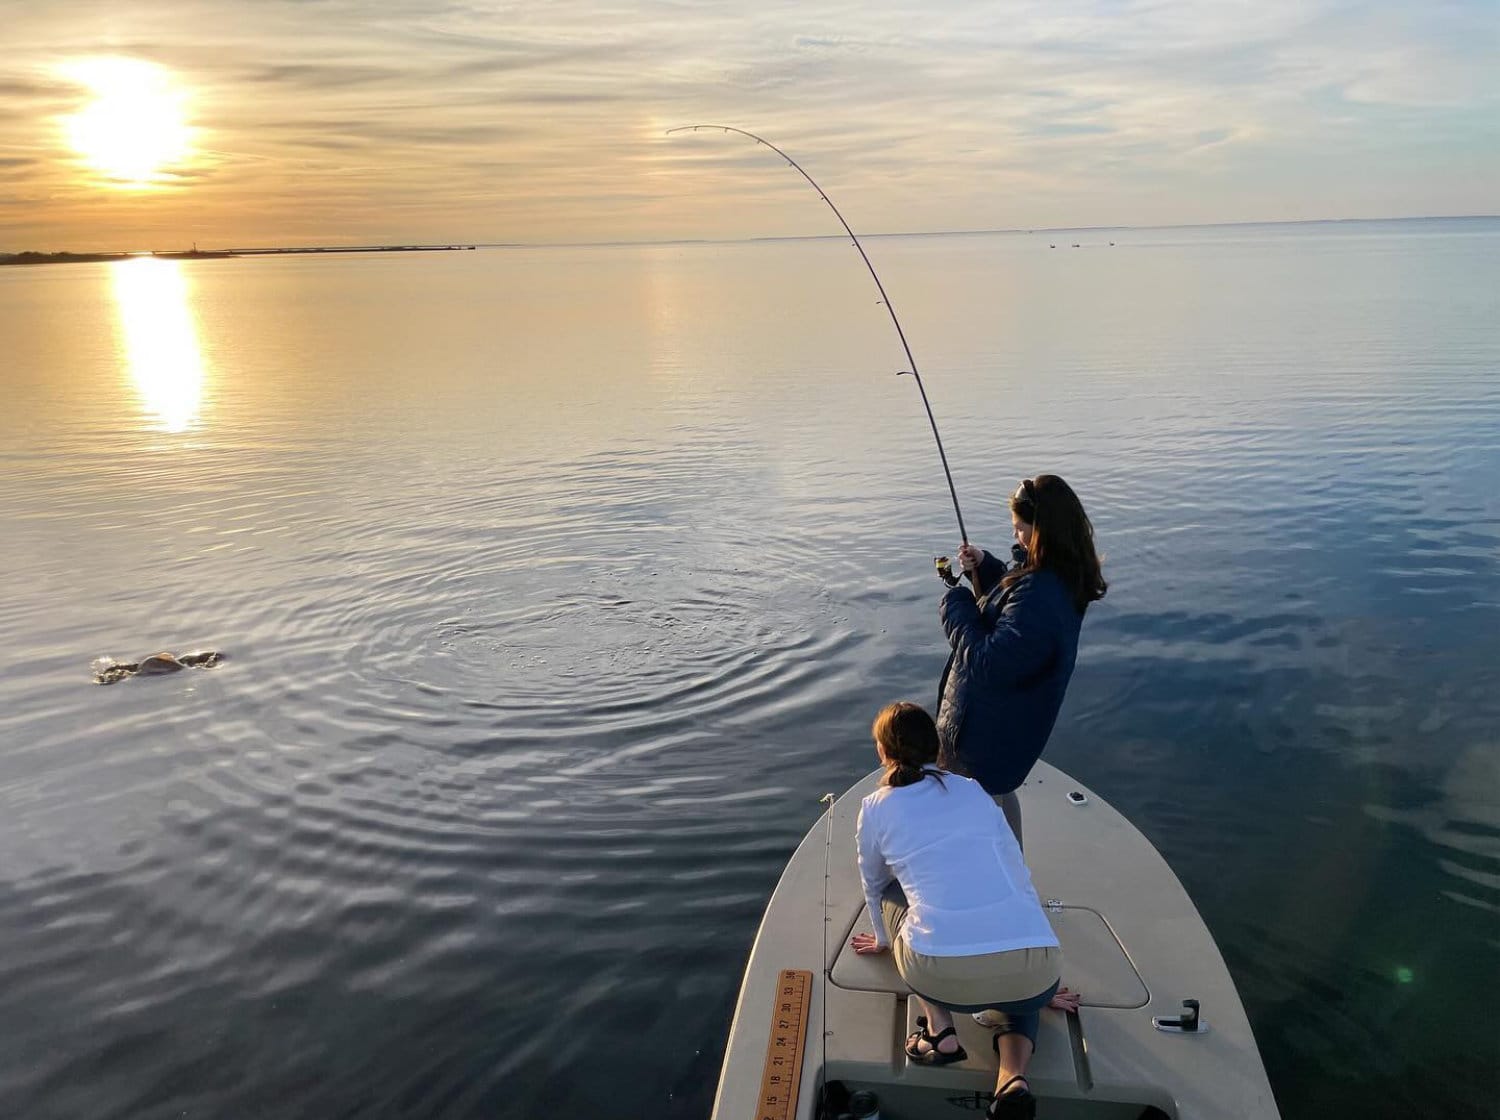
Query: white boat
812, 1012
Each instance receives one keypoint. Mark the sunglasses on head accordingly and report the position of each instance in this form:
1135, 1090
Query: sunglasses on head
1025, 493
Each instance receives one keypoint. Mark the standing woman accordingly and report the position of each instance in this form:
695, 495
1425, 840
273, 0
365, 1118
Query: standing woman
950, 897
1015, 639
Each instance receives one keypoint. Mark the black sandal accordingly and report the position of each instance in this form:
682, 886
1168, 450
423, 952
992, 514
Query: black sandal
932, 1056
1016, 1104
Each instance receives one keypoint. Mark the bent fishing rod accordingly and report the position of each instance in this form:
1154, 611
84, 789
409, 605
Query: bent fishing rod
915, 373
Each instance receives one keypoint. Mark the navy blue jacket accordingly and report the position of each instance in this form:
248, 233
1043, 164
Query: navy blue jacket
1013, 653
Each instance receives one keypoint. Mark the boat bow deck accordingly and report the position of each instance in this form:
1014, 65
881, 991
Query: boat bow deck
1133, 945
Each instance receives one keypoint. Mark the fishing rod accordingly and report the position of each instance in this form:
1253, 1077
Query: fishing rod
829, 801
962, 532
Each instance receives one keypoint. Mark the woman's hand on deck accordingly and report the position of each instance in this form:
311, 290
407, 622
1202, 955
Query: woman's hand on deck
1065, 999
865, 944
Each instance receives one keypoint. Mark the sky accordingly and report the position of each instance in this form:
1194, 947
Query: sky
437, 121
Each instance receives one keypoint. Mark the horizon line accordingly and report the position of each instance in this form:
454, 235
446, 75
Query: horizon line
971, 232
797, 236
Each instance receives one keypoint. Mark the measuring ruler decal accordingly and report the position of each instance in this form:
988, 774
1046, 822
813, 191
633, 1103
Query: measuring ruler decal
783, 1070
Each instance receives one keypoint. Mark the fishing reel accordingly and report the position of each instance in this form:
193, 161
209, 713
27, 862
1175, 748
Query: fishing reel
945, 570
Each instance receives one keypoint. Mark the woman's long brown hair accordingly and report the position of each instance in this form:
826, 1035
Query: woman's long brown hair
1062, 538
909, 741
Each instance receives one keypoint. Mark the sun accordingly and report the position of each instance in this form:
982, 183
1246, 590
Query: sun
135, 127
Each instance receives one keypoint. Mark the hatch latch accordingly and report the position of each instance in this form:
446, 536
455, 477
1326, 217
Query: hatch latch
1188, 1022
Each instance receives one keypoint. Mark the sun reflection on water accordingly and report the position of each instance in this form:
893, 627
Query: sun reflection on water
160, 339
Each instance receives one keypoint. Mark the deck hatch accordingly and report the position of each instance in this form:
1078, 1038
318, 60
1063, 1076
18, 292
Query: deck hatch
1094, 961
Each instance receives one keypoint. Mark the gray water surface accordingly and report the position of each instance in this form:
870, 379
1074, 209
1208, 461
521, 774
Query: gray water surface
558, 584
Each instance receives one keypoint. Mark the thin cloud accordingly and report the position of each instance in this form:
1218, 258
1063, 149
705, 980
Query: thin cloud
314, 76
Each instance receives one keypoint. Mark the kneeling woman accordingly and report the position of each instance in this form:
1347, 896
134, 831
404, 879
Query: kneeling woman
950, 896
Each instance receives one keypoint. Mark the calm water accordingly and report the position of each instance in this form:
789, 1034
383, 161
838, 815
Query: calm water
559, 583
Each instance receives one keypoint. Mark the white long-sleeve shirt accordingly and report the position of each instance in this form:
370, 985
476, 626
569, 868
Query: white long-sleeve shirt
958, 862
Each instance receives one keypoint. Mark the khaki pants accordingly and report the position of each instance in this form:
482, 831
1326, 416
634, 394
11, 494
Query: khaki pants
975, 983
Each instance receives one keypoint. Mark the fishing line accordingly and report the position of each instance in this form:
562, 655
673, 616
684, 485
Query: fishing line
963, 533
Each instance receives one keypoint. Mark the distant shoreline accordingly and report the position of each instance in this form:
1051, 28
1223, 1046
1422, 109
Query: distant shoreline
196, 254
